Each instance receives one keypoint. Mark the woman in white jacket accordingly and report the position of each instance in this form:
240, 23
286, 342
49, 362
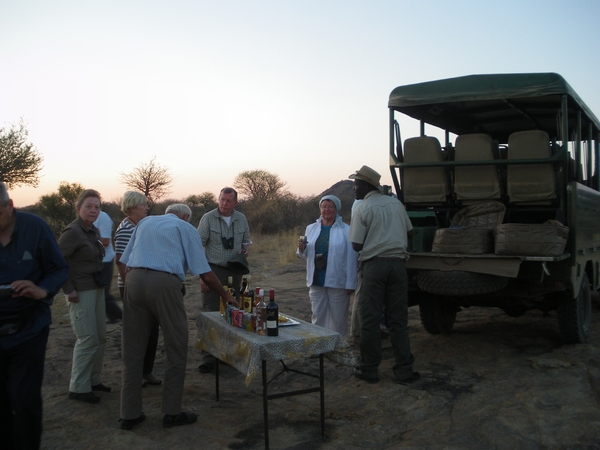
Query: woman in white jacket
331, 266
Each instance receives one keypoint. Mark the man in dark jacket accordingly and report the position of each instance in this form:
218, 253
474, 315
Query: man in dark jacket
32, 270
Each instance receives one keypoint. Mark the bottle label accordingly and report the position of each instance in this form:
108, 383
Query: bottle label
271, 324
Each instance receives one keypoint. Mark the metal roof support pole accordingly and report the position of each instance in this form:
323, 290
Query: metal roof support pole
591, 162
397, 185
597, 160
578, 149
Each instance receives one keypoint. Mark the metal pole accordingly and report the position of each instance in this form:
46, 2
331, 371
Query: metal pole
322, 390
265, 406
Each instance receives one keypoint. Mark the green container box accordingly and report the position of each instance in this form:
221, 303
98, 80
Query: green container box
424, 224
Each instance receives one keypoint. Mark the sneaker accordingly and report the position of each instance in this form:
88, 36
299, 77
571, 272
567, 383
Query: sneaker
404, 381
128, 424
151, 380
183, 418
100, 387
361, 376
86, 397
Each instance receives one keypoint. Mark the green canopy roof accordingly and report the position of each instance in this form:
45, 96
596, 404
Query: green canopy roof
497, 104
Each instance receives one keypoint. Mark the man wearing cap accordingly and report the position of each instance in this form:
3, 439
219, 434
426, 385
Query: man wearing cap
379, 231
225, 235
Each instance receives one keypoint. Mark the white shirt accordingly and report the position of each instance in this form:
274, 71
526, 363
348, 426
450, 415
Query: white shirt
105, 224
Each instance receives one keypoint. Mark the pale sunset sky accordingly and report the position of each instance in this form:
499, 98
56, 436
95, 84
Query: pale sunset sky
212, 88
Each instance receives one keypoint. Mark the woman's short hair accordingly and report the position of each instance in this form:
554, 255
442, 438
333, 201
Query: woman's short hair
131, 199
87, 193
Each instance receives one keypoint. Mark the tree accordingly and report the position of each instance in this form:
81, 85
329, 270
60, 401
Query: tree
151, 179
259, 185
58, 208
20, 162
206, 199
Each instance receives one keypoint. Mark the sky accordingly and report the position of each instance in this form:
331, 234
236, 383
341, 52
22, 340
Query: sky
298, 88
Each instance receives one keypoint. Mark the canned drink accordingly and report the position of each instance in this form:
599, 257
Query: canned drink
304, 240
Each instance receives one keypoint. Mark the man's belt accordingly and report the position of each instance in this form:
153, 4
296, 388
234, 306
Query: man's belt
152, 270
385, 258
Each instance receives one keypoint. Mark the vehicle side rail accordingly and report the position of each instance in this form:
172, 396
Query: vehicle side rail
557, 158
501, 265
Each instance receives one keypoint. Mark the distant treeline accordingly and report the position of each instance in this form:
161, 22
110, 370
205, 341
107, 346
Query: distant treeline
273, 216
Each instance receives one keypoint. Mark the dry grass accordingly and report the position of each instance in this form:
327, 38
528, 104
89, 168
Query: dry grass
281, 247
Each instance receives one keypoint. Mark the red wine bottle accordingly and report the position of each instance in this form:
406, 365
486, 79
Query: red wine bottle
272, 315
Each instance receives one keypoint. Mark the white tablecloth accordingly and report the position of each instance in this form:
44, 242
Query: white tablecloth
245, 350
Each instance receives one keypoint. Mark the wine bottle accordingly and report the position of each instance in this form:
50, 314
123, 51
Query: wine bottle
246, 296
250, 294
272, 315
261, 313
256, 297
230, 290
222, 307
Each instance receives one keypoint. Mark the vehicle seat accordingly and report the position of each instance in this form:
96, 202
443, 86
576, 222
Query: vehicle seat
476, 183
531, 183
428, 185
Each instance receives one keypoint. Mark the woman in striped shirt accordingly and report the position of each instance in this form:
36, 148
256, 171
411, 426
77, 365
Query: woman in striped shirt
135, 206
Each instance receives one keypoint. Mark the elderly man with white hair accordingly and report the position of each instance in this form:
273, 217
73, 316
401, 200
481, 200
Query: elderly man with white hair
161, 251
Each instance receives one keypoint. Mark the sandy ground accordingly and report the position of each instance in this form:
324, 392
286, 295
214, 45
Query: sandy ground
493, 382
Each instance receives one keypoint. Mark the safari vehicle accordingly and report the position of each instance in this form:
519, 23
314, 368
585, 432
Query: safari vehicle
516, 173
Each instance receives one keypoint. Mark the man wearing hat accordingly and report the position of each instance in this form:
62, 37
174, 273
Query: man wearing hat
379, 231
225, 235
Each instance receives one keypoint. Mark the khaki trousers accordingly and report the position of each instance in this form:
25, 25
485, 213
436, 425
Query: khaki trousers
153, 296
88, 319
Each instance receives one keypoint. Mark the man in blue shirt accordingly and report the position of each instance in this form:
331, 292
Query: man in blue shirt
32, 271
162, 249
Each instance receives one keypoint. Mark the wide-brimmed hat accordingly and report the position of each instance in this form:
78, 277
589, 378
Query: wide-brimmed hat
239, 264
367, 174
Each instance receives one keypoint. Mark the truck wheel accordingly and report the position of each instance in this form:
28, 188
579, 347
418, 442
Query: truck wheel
437, 315
575, 314
459, 283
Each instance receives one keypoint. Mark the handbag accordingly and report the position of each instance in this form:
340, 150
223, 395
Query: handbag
12, 323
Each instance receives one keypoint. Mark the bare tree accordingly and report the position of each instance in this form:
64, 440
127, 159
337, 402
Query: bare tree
151, 179
259, 185
20, 163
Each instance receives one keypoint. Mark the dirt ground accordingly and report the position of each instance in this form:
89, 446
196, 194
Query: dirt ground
493, 382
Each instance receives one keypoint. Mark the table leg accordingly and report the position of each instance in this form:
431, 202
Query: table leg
265, 405
322, 390
217, 378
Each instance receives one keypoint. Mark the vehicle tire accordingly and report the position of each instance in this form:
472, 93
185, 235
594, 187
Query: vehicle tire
459, 283
437, 315
575, 314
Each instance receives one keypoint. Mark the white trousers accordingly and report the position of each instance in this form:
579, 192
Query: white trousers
88, 319
330, 308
